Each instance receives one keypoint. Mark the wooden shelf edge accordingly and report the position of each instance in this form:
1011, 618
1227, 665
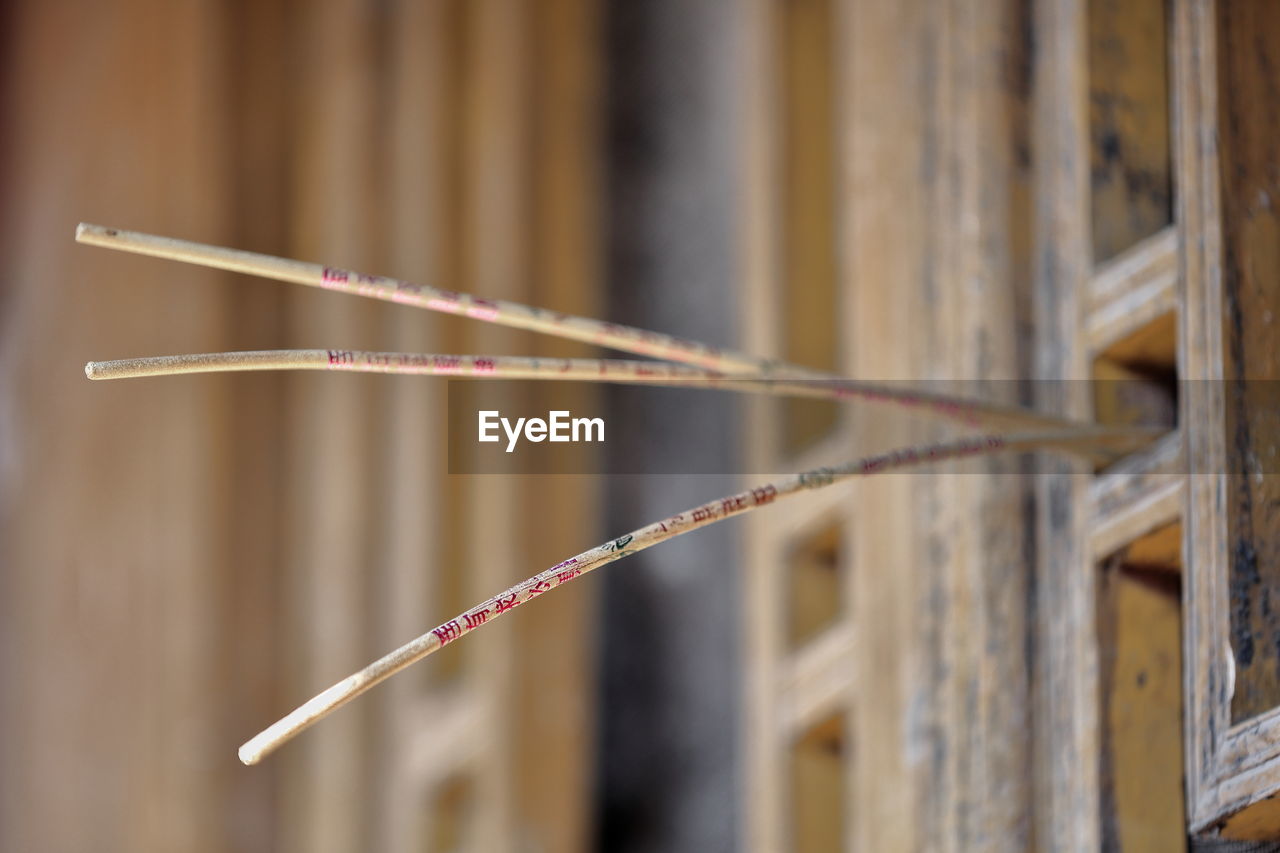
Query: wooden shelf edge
1132, 290
1245, 798
1137, 495
816, 680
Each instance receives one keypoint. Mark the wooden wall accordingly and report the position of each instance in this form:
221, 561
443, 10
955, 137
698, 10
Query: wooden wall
184, 560
952, 190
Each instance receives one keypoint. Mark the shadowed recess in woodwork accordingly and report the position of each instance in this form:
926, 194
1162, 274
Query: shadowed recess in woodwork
1136, 378
1131, 183
815, 583
818, 787
1139, 620
809, 268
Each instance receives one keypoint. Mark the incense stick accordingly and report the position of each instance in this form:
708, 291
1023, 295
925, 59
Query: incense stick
978, 413
289, 726
612, 335
710, 367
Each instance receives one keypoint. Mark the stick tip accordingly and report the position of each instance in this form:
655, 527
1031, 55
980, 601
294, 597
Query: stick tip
87, 232
248, 757
91, 369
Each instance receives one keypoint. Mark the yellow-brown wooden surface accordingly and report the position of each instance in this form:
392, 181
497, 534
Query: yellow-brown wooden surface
809, 299
184, 559
1131, 187
1140, 675
1258, 822
818, 761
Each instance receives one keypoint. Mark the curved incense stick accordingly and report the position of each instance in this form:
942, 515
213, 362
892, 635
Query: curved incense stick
612, 335
717, 368
972, 412
624, 546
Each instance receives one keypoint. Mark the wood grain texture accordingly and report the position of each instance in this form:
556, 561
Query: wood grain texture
1205, 645
1248, 84
1065, 663
934, 236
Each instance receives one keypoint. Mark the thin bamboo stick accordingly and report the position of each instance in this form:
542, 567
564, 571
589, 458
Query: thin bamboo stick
612, 335
615, 336
976, 413
315, 709
711, 367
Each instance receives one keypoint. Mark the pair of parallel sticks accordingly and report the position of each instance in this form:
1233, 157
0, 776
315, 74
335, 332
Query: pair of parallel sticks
684, 364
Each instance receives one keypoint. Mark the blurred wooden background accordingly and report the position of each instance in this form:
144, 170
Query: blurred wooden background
997, 192
183, 561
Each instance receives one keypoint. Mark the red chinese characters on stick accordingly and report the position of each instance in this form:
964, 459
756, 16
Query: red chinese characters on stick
476, 618
448, 632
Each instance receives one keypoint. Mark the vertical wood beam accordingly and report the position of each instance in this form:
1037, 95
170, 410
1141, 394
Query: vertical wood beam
763, 813
973, 540
886, 235
1206, 649
332, 464
256, 46
554, 689
1065, 662
414, 468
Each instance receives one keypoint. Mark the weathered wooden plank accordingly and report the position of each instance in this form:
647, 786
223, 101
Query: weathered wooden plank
1229, 766
1249, 113
1066, 730
1193, 66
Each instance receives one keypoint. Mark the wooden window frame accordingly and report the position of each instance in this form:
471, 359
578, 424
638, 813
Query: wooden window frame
1080, 519
1228, 766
